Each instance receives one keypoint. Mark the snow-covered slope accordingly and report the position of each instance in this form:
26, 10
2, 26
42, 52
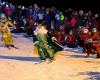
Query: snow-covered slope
18, 64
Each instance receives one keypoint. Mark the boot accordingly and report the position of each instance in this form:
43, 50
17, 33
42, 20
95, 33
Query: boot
14, 46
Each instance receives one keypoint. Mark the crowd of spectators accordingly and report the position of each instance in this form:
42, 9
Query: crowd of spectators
71, 27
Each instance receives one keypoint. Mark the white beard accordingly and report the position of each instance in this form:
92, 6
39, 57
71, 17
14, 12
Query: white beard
42, 31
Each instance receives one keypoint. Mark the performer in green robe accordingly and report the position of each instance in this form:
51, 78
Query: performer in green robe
43, 42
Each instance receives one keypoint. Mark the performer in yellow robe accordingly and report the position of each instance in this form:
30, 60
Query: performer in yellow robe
5, 31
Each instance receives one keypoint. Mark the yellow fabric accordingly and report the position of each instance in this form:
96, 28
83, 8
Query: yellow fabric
6, 34
7, 39
35, 51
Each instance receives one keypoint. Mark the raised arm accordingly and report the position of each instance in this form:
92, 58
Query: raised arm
11, 24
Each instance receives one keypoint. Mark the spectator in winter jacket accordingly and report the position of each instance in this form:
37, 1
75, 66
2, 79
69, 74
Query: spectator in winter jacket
61, 35
96, 34
83, 38
71, 40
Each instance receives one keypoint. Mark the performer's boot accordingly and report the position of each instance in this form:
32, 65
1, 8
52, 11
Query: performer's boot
14, 46
43, 60
49, 60
52, 59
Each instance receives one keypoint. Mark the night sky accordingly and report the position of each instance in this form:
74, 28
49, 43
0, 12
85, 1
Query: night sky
63, 4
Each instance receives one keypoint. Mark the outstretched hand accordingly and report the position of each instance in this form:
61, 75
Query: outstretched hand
36, 43
54, 39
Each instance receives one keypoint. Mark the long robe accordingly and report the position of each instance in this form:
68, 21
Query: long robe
46, 46
6, 34
44, 50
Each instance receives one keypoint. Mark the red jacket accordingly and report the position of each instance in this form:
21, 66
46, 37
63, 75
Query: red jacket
7, 11
71, 39
73, 21
84, 36
96, 36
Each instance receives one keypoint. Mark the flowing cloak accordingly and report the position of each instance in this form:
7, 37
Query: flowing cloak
56, 47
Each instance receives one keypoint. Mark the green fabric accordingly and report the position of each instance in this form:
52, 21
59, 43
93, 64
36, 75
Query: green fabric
41, 54
45, 51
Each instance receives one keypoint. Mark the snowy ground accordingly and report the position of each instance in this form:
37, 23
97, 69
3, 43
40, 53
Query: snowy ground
18, 64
